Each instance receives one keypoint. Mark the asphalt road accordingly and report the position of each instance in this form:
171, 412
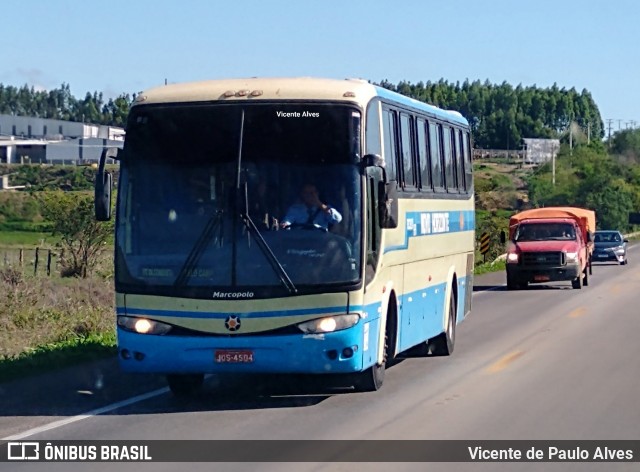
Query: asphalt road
548, 363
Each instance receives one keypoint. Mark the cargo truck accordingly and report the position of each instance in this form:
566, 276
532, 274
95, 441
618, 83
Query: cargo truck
550, 244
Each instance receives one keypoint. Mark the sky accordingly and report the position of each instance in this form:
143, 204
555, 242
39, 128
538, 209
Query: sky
117, 46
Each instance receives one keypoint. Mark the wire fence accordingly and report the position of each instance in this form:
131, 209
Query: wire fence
42, 260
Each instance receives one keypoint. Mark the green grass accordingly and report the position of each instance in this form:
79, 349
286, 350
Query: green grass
57, 355
485, 268
26, 239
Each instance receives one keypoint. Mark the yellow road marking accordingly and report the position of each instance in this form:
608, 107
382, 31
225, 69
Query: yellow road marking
578, 312
504, 362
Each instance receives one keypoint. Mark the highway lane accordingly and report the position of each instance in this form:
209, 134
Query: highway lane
546, 363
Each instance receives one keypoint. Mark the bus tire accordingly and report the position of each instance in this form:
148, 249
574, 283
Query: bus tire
443, 344
372, 378
182, 385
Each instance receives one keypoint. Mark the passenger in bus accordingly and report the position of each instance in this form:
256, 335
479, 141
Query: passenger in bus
310, 211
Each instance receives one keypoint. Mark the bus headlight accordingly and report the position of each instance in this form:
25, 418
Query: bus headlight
329, 324
143, 325
572, 256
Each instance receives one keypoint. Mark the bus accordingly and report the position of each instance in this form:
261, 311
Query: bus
210, 279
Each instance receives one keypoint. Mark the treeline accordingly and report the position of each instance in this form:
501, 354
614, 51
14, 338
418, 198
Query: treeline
59, 104
501, 115
590, 177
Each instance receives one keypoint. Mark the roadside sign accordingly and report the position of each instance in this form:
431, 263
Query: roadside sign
484, 243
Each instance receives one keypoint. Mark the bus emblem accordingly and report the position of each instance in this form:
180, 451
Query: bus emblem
232, 323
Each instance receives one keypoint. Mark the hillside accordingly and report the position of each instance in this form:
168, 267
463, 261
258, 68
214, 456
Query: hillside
501, 186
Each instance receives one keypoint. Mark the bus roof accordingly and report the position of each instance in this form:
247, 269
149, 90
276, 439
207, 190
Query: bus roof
290, 88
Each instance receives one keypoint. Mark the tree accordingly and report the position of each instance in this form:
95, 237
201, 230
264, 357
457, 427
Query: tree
613, 204
82, 237
627, 143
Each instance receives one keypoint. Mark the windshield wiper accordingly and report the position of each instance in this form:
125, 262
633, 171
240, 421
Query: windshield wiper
249, 224
271, 257
198, 249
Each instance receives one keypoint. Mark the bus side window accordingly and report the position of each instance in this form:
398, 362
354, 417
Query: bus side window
449, 167
435, 149
407, 154
424, 165
468, 164
459, 158
390, 144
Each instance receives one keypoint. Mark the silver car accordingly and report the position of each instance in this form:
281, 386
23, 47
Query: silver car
610, 246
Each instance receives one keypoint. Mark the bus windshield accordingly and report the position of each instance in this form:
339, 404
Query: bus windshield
204, 191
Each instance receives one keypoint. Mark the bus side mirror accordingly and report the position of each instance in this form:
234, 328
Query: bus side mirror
104, 186
503, 237
388, 204
372, 160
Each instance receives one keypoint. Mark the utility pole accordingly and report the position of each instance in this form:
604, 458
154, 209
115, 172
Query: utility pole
553, 167
609, 121
619, 125
570, 145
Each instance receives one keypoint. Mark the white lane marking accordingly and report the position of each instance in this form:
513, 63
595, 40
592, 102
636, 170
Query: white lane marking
89, 414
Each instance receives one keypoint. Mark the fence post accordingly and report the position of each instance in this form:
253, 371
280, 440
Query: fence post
35, 263
21, 257
49, 263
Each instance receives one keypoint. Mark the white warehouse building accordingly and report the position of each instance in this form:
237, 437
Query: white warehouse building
25, 140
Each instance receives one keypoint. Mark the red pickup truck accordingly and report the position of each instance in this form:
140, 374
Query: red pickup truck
550, 244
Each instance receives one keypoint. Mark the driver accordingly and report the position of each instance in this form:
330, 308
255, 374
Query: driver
311, 211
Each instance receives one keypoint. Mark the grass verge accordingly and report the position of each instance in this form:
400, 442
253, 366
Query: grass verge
52, 322
26, 238
487, 267
57, 355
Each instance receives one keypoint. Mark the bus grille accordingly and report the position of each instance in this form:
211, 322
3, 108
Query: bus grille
543, 259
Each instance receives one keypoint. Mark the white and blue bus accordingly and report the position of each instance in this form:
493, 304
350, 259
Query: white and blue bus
209, 280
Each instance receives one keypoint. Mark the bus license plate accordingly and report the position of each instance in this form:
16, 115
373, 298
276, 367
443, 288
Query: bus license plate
233, 356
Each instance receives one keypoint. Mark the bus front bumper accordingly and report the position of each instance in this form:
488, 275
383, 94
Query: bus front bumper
349, 350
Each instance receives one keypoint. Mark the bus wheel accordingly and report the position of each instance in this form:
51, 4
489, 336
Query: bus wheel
442, 345
185, 384
372, 379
